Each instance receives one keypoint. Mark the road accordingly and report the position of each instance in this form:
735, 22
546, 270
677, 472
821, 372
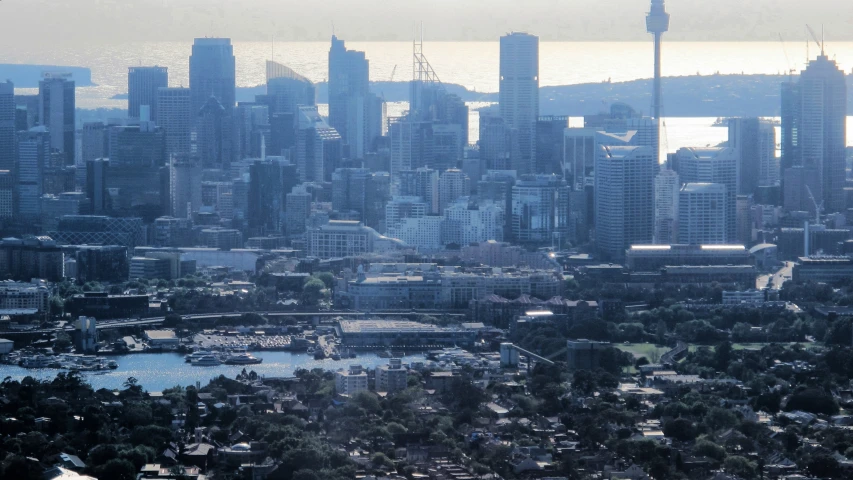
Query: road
777, 279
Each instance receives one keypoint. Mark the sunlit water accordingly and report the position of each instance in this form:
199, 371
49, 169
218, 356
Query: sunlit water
158, 371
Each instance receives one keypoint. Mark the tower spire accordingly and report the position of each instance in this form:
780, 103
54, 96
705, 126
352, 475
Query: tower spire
657, 23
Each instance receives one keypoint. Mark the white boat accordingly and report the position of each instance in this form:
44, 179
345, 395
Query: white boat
191, 358
207, 361
36, 361
243, 359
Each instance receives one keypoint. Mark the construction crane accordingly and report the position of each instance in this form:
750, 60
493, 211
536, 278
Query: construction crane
791, 69
393, 72
817, 208
817, 41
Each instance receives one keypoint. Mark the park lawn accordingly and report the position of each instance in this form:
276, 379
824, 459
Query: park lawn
648, 350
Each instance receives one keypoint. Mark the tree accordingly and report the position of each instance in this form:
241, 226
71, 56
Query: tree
812, 400
62, 341
680, 429
327, 278
740, 466
117, 469
312, 292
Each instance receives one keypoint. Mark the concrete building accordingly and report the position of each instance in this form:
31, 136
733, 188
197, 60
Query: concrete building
17, 296
452, 184
667, 186
399, 332
7, 194
467, 221
149, 268
713, 165
421, 182
584, 354
426, 233
94, 141
403, 207
345, 238
519, 93
222, 238
184, 187
702, 214
298, 209
352, 381
649, 258
624, 198
173, 116
319, 147
814, 116
161, 338
498, 142
143, 84
31, 257
56, 111
823, 269
392, 377
540, 208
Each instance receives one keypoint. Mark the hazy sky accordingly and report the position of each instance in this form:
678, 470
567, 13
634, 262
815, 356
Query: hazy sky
23, 21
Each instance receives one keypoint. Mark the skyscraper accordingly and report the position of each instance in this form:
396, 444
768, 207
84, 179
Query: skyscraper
173, 112
814, 119
7, 125
56, 111
755, 141
702, 214
412, 145
33, 156
318, 146
667, 186
349, 74
519, 93
212, 73
713, 165
452, 184
143, 84
97, 171
624, 198
185, 186
287, 89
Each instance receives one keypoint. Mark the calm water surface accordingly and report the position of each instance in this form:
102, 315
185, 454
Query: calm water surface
158, 371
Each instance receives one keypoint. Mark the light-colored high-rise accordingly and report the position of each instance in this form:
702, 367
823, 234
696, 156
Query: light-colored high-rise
713, 165
212, 73
519, 93
452, 184
702, 214
624, 198
318, 146
667, 185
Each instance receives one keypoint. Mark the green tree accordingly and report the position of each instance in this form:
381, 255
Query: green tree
327, 278
740, 466
312, 292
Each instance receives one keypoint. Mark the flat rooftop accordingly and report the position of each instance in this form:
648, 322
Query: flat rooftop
379, 326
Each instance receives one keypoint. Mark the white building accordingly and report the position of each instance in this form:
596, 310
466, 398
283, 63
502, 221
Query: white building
467, 222
702, 215
392, 377
667, 186
519, 93
713, 165
624, 198
402, 207
17, 296
424, 232
345, 238
349, 382
452, 184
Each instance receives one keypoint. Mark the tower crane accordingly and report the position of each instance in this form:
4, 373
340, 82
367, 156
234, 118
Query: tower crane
817, 208
817, 41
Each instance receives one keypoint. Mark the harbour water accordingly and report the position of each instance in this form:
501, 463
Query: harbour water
471, 64
158, 371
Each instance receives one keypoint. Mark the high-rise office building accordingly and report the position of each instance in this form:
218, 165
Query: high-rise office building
702, 214
143, 84
540, 209
298, 209
287, 89
452, 184
215, 135
33, 156
350, 190
97, 171
269, 182
7, 125
667, 186
578, 155
624, 198
318, 146
549, 144
412, 145
755, 141
185, 186
423, 183
56, 111
519, 93
95, 141
713, 165
173, 116
814, 119
498, 142
349, 73
7, 194
212, 74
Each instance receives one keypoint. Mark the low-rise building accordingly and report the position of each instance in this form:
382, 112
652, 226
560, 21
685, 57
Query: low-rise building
392, 377
102, 305
823, 269
584, 354
352, 381
161, 338
16, 296
651, 258
362, 333
150, 268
